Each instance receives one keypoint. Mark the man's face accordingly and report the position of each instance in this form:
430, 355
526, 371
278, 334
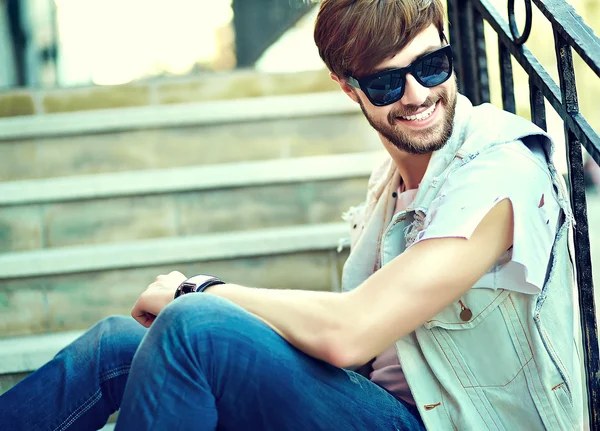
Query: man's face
417, 134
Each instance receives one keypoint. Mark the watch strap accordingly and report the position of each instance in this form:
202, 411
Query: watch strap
197, 283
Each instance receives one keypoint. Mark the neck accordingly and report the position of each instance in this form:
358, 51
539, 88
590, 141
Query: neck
412, 167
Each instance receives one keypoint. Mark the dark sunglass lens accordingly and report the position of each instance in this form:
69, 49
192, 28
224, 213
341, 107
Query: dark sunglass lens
386, 88
433, 70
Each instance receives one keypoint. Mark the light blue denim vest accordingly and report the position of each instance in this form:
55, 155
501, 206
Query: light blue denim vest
532, 379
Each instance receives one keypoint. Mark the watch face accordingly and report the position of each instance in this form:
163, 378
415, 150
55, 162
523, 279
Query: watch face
197, 283
188, 288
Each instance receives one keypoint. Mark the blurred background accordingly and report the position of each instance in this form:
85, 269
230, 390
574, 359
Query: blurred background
139, 137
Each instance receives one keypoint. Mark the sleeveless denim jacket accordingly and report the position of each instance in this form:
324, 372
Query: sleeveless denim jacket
532, 381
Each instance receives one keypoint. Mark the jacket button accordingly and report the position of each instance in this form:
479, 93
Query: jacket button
466, 315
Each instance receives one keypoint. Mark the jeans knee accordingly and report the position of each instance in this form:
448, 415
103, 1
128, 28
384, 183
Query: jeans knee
202, 317
113, 336
194, 309
209, 331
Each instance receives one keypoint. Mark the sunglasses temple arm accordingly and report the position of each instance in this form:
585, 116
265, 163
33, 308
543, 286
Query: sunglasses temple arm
352, 82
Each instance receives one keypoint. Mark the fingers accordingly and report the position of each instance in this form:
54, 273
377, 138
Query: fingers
156, 296
143, 318
148, 320
137, 313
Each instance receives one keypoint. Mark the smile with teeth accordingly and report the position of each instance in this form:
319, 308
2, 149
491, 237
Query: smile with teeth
421, 116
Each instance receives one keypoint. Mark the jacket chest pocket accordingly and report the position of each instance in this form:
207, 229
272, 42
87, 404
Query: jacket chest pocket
481, 338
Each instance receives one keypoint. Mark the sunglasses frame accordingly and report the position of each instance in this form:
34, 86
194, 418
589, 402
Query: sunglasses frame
362, 83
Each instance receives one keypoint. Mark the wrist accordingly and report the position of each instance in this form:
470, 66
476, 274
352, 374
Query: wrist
216, 288
197, 284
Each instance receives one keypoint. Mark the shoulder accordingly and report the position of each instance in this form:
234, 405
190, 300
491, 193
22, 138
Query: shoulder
511, 164
510, 171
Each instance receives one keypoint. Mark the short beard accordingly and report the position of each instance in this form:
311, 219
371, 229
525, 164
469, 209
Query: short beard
430, 140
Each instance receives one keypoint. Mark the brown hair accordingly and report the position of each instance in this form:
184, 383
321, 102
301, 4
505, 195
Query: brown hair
354, 36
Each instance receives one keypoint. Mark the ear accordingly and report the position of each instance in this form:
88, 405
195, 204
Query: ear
349, 90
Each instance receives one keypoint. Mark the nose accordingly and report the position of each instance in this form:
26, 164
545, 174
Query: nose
414, 93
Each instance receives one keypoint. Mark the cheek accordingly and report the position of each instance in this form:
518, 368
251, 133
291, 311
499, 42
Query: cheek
387, 115
378, 114
444, 92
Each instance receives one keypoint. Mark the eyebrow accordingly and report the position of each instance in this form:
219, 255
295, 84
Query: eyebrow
426, 51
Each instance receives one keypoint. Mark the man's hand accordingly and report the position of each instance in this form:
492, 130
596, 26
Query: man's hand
156, 297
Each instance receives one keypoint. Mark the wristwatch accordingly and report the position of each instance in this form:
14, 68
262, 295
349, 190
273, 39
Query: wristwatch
197, 283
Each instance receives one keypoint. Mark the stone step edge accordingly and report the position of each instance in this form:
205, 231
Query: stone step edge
27, 353
195, 178
177, 115
164, 251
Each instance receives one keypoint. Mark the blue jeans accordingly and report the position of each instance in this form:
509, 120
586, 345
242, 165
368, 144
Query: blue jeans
205, 364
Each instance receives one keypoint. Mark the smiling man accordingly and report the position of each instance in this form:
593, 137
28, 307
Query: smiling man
457, 309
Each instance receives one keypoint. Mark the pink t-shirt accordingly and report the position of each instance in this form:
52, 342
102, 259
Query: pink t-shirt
387, 371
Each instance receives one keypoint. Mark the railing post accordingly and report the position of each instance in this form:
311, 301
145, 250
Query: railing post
468, 40
538, 108
506, 79
585, 282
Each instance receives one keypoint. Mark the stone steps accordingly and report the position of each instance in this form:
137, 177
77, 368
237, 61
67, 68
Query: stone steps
127, 206
199, 87
71, 288
166, 136
94, 205
78, 242
19, 356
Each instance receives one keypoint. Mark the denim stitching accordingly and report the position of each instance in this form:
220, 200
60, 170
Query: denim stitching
445, 336
563, 407
446, 355
536, 366
112, 370
107, 375
445, 409
473, 318
505, 384
546, 338
479, 395
523, 350
447, 358
526, 370
537, 393
80, 411
564, 369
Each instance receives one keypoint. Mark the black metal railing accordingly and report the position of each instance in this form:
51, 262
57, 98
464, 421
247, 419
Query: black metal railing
570, 32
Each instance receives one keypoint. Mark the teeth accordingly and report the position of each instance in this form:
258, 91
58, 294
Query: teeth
422, 115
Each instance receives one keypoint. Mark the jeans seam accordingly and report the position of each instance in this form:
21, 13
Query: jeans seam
107, 375
80, 411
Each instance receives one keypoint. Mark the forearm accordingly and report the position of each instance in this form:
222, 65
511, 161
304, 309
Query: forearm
311, 321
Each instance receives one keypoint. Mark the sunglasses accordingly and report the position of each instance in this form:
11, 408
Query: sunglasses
387, 87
